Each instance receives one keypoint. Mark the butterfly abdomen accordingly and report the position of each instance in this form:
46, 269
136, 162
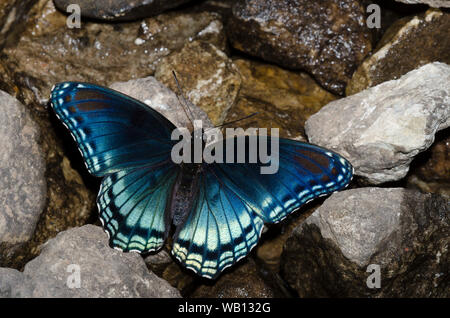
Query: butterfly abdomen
185, 188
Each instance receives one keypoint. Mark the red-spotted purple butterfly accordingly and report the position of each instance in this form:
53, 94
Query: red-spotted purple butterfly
217, 209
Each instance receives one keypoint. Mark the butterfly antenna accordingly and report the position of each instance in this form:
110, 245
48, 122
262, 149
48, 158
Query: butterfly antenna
183, 102
235, 121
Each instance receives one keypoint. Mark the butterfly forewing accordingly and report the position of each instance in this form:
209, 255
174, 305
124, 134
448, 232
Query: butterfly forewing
113, 131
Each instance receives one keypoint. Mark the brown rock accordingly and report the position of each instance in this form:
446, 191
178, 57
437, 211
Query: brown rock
270, 248
12, 13
283, 99
328, 40
243, 281
430, 172
408, 44
222, 7
208, 77
163, 265
120, 10
49, 52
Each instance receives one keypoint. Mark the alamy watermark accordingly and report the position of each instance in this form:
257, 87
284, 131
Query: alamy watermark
374, 19
374, 279
74, 19
74, 279
208, 146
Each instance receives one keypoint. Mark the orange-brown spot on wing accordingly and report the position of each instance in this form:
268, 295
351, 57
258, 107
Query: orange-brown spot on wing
67, 98
308, 164
72, 109
325, 178
321, 159
88, 94
89, 106
334, 171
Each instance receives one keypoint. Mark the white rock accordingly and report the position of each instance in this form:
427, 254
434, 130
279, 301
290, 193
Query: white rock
431, 3
381, 129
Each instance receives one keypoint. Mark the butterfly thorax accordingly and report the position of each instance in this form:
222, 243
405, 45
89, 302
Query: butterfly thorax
185, 188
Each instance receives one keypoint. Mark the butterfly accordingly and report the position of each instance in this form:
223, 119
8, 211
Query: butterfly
217, 210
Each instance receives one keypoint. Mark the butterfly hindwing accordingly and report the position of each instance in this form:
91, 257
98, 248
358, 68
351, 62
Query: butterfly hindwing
132, 205
113, 131
220, 230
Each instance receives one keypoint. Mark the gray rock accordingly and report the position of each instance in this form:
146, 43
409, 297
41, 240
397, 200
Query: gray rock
357, 225
381, 129
22, 169
405, 233
12, 283
155, 94
431, 3
120, 10
82, 255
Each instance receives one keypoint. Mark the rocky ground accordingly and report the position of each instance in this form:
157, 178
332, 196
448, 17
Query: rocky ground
379, 96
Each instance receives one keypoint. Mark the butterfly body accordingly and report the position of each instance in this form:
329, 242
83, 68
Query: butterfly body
218, 209
185, 188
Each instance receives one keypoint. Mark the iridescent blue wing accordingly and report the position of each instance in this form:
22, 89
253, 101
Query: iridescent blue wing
235, 199
113, 131
305, 172
132, 205
220, 230
129, 144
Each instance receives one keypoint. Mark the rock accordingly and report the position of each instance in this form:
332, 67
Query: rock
22, 175
283, 99
430, 172
270, 247
209, 79
156, 262
381, 129
152, 92
328, 40
120, 10
243, 281
222, 7
12, 13
12, 283
404, 232
79, 263
431, 3
401, 49
48, 52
